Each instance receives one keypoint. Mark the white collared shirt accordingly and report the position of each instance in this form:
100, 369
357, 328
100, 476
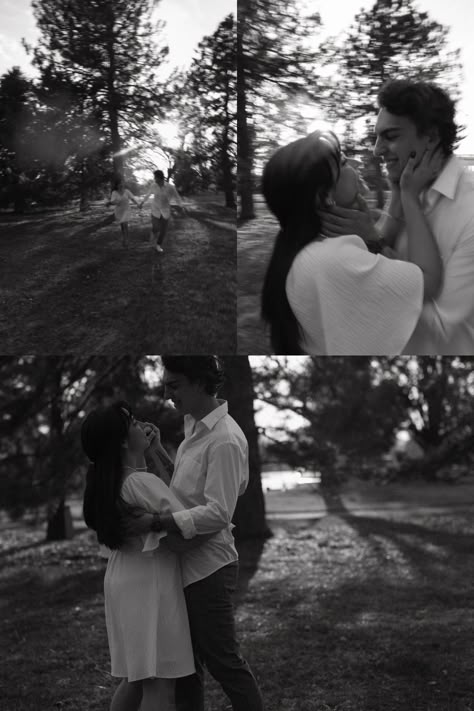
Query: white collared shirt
446, 325
211, 472
163, 197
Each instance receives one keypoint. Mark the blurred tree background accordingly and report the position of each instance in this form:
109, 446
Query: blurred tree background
102, 89
289, 78
352, 411
340, 416
276, 63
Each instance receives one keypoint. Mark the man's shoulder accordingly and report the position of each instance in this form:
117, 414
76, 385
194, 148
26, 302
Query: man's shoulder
227, 431
466, 183
458, 182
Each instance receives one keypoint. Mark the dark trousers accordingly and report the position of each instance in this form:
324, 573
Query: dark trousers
158, 227
211, 618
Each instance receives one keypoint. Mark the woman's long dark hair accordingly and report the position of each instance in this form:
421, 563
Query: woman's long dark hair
293, 179
103, 433
116, 182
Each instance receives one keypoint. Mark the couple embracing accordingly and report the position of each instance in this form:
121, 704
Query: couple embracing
173, 565
339, 283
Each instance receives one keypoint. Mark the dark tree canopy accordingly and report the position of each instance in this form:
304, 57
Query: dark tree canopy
206, 103
108, 51
276, 59
352, 409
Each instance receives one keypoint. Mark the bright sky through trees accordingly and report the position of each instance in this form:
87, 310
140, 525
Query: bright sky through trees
187, 22
457, 15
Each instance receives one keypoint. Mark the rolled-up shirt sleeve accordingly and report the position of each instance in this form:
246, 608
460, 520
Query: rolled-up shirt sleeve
147, 491
226, 480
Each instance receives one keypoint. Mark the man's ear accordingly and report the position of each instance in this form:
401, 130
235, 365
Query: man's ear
433, 137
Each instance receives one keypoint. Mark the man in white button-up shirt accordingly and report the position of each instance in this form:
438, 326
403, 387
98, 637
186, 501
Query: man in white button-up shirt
415, 117
210, 473
164, 195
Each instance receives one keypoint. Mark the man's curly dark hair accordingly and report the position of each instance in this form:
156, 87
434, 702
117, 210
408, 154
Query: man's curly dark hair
424, 103
207, 370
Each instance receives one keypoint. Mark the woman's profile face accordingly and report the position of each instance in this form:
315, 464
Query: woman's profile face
347, 184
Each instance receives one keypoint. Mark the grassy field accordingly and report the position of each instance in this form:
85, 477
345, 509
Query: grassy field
68, 285
254, 246
342, 613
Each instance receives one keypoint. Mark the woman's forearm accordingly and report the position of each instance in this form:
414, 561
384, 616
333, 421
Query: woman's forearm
391, 222
162, 464
422, 248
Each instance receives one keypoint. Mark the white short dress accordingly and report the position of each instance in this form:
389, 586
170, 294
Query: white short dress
349, 301
121, 201
145, 609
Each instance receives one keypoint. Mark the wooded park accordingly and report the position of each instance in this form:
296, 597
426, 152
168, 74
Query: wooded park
373, 562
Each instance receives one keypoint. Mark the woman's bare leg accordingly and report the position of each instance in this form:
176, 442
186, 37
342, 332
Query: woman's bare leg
127, 697
158, 695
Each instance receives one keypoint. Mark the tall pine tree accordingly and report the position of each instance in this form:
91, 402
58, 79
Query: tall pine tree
108, 50
276, 58
207, 107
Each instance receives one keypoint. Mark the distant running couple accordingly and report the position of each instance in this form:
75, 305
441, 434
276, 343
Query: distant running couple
164, 194
161, 637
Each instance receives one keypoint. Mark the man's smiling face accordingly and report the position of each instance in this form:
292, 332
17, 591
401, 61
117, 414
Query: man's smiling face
186, 396
397, 137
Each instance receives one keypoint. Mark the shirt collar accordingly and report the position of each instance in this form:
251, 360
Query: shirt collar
209, 420
446, 183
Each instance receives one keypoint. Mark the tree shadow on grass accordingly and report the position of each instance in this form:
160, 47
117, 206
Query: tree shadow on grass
362, 656
424, 547
39, 606
91, 228
372, 631
250, 553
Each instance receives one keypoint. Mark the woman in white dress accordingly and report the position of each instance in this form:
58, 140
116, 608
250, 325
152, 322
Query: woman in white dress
332, 296
120, 198
145, 609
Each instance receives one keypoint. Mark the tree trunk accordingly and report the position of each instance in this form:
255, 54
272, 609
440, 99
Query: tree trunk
60, 523
60, 527
18, 198
244, 144
112, 98
227, 177
249, 517
84, 195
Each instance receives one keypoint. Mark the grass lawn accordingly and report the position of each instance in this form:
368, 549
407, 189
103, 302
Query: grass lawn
344, 613
254, 246
68, 285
